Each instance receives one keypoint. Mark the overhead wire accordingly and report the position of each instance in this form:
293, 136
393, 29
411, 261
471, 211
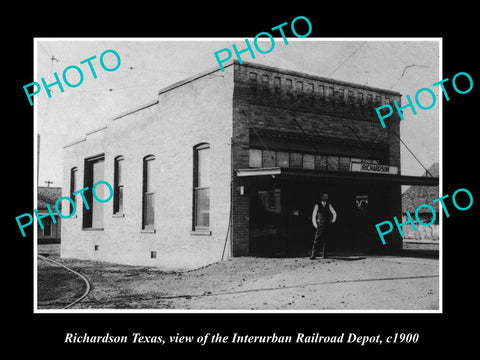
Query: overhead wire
396, 82
404, 71
411, 152
394, 132
344, 61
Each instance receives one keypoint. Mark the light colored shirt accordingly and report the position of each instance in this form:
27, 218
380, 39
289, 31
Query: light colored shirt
315, 210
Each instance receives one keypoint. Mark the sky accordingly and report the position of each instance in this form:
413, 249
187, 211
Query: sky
148, 65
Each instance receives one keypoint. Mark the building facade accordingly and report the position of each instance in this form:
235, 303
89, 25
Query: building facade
412, 198
230, 164
51, 231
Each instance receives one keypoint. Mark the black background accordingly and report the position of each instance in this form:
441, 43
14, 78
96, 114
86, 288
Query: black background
44, 333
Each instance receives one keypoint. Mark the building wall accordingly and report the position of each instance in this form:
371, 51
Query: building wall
55, 233
394, 239
211, 107
272, 99
185, 115
423, 233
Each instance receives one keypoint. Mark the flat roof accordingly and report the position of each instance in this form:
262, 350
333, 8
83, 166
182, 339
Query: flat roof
315, 77
230, 63
192, 78
278, 70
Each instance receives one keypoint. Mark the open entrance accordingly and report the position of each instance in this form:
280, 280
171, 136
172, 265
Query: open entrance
281, 215
282, 200
267, 233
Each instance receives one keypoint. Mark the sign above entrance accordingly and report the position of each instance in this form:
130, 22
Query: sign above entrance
374, 168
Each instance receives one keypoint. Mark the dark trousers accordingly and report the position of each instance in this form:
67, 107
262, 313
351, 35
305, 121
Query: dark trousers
320, 240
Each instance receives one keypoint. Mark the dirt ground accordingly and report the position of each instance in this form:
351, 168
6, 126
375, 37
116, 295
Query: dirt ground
249, 283
56, 286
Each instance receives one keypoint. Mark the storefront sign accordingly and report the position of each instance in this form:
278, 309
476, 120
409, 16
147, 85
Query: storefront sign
373, 168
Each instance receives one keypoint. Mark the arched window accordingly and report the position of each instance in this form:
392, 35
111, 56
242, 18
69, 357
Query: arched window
73, 188
118, 185
148, 216
201, 187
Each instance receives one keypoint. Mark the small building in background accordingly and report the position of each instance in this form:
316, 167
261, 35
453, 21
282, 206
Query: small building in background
51, 231
412, 198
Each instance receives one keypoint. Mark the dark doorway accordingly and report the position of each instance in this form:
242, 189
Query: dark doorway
351, 231
299, 202
266, 230
281, 215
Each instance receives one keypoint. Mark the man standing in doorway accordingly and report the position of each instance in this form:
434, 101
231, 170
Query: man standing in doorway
323, 215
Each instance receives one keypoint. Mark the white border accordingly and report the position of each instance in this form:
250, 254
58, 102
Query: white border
235, 311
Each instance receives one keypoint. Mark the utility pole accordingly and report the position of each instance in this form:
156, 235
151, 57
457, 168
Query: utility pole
48, 183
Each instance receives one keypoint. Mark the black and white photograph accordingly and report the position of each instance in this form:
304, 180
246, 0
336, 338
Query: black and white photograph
218, 178
216, 175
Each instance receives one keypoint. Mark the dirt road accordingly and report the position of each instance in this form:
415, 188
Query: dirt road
370, 283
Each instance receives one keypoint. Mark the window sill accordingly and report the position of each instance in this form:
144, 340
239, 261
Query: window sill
148, 231
92, 229
118, 215
201, 232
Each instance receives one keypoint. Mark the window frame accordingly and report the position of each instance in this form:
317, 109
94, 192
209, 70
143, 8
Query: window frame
73, 185
196, 188
251, 163
118, 208
88, 181
147, 227
47, 225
